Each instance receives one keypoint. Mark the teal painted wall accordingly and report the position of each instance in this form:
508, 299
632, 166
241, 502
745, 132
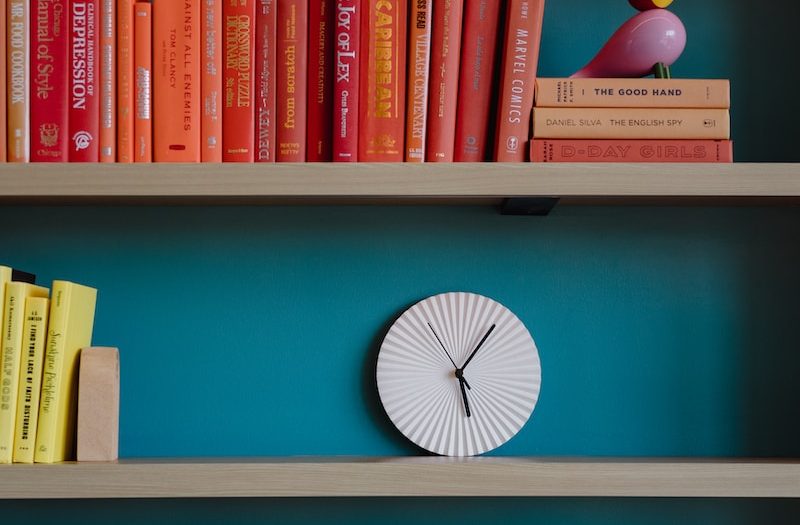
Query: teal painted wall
254, 331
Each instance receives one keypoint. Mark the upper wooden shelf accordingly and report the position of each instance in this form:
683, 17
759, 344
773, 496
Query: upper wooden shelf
334, 183
408, 476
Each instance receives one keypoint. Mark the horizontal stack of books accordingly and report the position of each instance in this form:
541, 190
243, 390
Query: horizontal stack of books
631, 120
42, 335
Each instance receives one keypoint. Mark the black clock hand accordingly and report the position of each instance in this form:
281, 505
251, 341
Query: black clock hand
461, 383
491, 329
442, 345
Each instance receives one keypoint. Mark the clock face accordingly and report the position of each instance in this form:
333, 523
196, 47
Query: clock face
458, 374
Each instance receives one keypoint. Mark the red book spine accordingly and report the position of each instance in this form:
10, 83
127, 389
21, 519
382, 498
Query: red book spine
266, 26
383, 81
84, 100
575, 150
49, 75
292, 80
346, 85
320, 81
445, 54
478, 52
518, 76
238, 114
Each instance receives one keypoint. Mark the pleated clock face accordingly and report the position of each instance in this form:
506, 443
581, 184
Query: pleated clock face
458, 374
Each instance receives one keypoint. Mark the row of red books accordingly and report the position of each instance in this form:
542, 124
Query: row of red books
631, 120
268, 80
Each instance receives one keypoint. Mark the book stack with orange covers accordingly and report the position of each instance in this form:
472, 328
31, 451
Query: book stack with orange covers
631, 120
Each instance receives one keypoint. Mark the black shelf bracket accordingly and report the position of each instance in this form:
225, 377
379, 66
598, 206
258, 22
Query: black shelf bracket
533, 206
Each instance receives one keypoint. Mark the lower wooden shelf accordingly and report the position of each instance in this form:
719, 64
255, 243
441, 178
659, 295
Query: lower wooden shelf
407, 476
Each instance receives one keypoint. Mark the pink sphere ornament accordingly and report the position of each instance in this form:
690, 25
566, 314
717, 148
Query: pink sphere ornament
644, 5
650, 37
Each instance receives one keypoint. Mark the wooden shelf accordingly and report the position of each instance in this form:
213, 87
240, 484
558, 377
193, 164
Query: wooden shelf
334, 183
417, 476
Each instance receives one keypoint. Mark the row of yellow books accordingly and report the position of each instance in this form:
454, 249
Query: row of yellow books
42, 334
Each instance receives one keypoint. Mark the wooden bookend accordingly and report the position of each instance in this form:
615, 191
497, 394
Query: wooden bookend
98, 405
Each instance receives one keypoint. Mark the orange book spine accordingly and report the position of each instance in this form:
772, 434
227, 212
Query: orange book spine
211, 81
18, 96
3, 87
292, 80
579, 150
419, 62
143, 68
125, 81
518, 75
108, 81
238, 113
176, 81
633, 92
445, 58
383, 81
630, 123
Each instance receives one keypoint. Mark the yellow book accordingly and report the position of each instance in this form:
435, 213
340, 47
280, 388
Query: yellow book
30, 379
71, 323
13, 321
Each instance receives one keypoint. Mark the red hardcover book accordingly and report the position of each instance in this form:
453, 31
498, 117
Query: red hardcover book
443, 97
238, 113
266, 27
320, 81
211, 81
49, 86
84, 82
108, 81
346, 81
292, 80
577, 150
478, 52
517, 78
419, 61
383, 81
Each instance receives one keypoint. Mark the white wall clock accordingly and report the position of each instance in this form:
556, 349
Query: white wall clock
458, 374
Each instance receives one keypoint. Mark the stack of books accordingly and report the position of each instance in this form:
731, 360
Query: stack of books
631, 120
42, 335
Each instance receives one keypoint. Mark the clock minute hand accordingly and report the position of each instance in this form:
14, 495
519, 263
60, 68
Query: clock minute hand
486, 335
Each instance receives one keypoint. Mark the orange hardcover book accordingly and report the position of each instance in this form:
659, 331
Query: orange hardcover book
523, 35
631, 123
383, 81
3, 88
125, 81
292, 79
211, 81
176, 81
266, 57
583, 150
419, 61
238, 110
108, 81
633, 92
143, 71
445, 58
18, 96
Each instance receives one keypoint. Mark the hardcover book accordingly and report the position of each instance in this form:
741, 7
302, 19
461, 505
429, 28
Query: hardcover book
84, 84
419, 62
633, 92
176, 81
631, 123
443, 100
320, 80
475, 87
292, 80
211, 81
238, 113
266, 57
346, 81
18, 101
125, 81
383, 81
3, 86
143, 92
523, 33
49, 82
34, 334
577, 150
108, 81
72, 308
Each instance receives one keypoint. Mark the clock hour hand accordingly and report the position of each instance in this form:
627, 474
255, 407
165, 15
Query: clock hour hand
461, 383
486, 335
442, 345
